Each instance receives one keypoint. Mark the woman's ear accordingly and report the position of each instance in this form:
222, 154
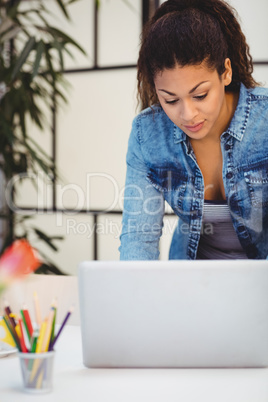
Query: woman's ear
227, 75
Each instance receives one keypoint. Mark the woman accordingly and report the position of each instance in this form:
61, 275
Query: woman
201, 144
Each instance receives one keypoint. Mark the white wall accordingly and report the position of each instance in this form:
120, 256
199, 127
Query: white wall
93, 129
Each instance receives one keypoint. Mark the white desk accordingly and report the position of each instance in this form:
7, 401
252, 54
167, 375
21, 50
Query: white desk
74, 383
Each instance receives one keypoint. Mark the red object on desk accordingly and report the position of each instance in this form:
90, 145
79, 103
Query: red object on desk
28, 321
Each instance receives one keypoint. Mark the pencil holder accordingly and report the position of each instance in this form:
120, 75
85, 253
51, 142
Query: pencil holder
37, 371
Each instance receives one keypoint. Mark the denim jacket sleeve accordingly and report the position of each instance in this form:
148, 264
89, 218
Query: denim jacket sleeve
143, 206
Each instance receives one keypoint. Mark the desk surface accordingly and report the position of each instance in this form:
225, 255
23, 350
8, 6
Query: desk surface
72, 381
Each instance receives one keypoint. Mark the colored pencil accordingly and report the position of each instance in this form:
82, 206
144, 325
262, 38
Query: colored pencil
41, 336
47, 335
18, 331
9, 314
34, 342
22, 340
35, 380
61, 328
54, 323
40, 341
38, 348
28, 321
12, 331
7, 338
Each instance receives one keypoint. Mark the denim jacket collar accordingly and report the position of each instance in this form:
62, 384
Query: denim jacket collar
238, 123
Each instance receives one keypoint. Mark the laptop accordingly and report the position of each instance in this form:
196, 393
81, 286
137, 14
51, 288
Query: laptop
160, 314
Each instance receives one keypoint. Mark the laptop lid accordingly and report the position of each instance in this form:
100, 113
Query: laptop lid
201, 313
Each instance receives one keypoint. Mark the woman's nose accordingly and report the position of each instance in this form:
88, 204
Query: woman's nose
188, 112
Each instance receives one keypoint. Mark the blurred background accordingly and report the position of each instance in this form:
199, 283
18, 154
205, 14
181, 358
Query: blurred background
87, 138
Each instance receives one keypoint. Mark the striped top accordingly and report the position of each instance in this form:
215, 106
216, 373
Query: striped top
218, 238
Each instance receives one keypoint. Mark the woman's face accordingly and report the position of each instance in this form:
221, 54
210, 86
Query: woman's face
194, 98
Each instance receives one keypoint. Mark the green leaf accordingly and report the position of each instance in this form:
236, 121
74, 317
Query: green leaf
36, 158
65, 38
8, 29
9, 34
22, 122
11, 7
23, 56
74, 1
49, 268
6, 129
57, 45
50, 69
63, 8
25, 17
39, 53
45, 238
41, 150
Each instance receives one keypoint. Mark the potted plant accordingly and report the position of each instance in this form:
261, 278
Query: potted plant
31, 75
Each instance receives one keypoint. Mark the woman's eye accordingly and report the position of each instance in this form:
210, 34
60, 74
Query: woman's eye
200, 97
171, 102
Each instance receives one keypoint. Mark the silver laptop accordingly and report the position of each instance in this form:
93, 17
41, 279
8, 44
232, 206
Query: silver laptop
174, 313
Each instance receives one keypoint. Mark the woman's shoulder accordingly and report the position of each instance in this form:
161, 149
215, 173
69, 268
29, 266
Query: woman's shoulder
150, 111
259, 93
153, 119
153, 123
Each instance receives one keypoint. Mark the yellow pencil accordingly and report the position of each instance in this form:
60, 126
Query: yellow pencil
47, 335
17, 329
41, 336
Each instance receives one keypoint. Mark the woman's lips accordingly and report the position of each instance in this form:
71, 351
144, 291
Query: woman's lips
196, 127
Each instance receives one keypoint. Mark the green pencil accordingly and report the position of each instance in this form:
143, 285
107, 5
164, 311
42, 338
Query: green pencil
34, 342
14, 335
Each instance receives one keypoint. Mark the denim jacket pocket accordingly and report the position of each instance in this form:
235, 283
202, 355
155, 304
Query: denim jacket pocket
256, 178
172, 184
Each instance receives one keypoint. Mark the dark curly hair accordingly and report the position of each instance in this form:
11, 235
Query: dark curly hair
188, 32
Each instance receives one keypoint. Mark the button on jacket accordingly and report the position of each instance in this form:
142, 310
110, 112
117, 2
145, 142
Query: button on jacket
161, 166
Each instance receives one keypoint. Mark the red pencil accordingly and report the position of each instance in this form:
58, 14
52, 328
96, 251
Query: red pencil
28, 321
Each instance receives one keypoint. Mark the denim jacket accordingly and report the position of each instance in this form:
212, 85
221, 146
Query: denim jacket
161, 166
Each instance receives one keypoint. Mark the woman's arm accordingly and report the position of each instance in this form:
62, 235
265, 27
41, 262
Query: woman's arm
143, 207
